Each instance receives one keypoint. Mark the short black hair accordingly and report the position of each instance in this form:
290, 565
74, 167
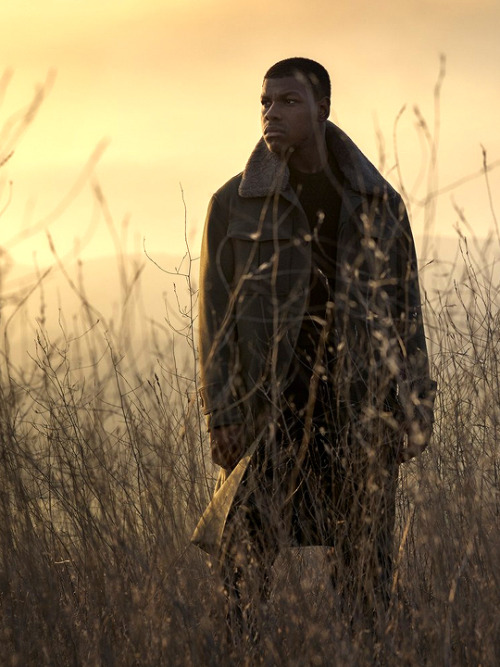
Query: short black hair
313, 72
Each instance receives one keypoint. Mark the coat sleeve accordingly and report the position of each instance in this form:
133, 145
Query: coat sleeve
416, 389
217, 328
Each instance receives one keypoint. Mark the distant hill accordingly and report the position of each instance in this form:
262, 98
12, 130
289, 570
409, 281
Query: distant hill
131, 299
104, 282
445, 261
126, 298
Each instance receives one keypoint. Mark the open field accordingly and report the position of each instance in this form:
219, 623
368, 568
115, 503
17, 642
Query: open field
104, 473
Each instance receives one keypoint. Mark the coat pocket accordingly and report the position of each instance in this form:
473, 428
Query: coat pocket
263, 258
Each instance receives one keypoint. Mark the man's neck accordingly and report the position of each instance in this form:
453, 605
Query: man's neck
311, 160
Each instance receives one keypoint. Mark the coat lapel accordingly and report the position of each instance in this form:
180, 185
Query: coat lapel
265, 174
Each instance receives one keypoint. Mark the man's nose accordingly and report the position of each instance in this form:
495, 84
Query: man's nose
272, 111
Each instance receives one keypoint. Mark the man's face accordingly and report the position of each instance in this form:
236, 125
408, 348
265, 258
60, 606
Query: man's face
290, 115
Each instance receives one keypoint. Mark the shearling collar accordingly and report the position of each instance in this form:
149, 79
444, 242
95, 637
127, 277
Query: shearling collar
266, 174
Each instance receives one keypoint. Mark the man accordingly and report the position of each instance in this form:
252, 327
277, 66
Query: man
311, 333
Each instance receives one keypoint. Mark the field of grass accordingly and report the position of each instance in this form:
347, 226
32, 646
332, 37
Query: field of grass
104, 472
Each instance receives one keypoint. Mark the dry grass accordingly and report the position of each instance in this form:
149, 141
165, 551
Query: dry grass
104, 474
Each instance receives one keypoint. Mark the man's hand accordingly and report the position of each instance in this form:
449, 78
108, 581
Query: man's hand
227, 444
419, 433
419, 420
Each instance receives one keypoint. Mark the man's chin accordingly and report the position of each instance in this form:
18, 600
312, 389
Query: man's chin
277, 146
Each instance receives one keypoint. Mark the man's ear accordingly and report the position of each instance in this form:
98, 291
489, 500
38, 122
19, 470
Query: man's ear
323, 109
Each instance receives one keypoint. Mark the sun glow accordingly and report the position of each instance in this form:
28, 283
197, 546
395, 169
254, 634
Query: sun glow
173, 89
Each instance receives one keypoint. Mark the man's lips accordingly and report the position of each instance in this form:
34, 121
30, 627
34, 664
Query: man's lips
273, 131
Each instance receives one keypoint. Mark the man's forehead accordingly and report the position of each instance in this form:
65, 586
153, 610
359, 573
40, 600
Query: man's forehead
286, 84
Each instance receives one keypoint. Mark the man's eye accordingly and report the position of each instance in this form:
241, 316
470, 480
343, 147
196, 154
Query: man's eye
289, 100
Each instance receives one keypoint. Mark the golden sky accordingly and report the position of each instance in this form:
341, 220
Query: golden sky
173, 87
